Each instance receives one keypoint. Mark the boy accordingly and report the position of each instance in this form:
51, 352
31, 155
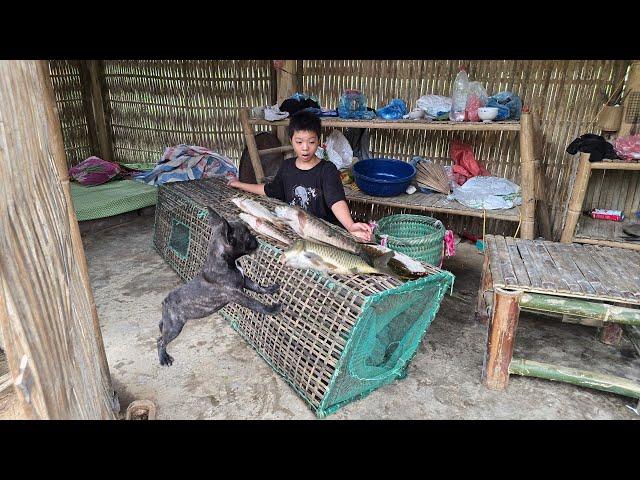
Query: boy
308, 181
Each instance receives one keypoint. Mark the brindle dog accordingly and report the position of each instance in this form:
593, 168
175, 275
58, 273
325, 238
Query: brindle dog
220, 282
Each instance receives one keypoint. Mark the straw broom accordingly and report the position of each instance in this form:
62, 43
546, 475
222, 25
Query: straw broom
433, 176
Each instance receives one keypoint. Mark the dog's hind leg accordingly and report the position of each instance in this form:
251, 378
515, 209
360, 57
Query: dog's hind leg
171, 326
251, 303
254, 287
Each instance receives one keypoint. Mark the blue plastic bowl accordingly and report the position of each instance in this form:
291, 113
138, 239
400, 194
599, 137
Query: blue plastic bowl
383, 177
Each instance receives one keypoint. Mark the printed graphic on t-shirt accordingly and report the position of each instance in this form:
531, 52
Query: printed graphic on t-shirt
302, 196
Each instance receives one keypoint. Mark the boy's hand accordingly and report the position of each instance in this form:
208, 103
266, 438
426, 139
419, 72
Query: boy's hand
233, 183
361, 230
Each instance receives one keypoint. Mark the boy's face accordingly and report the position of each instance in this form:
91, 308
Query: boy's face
305, 144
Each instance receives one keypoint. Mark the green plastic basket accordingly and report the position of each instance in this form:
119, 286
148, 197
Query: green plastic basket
418, 236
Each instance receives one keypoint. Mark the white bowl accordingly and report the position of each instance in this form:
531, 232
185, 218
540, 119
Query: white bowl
487, 114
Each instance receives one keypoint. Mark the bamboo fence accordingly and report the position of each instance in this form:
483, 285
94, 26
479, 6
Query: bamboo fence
153, 104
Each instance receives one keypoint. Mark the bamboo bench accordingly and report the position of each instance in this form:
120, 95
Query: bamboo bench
600, 285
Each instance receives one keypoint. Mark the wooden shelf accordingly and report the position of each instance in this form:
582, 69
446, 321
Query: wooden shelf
615, 165
603, 232
403, 124
582, 229
432, 202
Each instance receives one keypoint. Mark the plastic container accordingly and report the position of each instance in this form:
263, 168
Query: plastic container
383, 177
459, 94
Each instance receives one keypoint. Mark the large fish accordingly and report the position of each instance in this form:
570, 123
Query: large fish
307, 254
260, 226
254, 208
312, 228
401, 264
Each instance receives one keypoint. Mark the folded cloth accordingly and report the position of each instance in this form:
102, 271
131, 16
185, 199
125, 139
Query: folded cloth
94, 171
188, 162
596, 145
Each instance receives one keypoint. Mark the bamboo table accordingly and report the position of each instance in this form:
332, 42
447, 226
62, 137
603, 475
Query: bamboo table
570, 279
595, 232
426, 202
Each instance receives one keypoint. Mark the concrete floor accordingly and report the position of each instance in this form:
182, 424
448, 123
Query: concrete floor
216, 375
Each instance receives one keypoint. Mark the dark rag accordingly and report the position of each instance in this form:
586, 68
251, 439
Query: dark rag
596, 145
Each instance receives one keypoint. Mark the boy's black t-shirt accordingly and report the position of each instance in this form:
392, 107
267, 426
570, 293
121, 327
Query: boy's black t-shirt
315, 190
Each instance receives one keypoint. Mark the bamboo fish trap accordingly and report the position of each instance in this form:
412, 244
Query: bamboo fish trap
338, 338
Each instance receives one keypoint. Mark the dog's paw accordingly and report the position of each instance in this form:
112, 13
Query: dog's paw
166, 359
274, 309
273, 288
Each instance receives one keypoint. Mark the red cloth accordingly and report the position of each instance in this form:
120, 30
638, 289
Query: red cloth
465, 165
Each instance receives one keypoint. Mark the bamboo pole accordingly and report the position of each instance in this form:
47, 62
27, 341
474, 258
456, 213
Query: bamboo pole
582, 378
580, 308
577, 198
615, 165
527, 175
510, 126
542, 208
87, 104
252, 148
501, 338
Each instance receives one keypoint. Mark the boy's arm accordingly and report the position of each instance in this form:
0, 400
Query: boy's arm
258, 189
361, 230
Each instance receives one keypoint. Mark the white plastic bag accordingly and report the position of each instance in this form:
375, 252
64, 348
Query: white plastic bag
338, 149
434, 104
488, 193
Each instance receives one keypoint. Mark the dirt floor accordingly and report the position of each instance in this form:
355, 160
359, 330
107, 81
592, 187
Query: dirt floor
217, 375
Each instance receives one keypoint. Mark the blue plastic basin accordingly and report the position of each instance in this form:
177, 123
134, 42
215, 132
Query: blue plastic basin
383, 177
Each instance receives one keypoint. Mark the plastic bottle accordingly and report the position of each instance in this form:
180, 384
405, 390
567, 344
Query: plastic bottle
459, 93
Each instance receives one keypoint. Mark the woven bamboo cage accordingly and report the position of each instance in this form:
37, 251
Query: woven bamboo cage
153, 104
338, 337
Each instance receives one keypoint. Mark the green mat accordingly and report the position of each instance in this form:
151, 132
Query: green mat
111, 198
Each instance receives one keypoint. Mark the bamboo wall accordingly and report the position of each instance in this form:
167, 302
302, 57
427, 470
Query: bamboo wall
153, 104
48, 316
566, 95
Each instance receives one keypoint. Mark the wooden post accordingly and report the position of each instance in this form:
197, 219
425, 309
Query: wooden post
87, 104
95, 70
542, 209
610, 334
287, 81
252, 148
528, 176
486, 284
501, 338
577, 198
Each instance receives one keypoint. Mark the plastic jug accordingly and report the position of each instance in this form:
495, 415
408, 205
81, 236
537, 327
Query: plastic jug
459, 93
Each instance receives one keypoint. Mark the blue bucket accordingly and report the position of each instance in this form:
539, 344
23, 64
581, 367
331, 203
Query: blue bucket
383, 177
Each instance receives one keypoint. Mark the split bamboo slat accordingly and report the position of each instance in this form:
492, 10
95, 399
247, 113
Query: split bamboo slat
48, 316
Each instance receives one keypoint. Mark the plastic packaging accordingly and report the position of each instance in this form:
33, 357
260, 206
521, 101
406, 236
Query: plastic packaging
459, 93
508, 104
338, 150
353, 104
628, 148
394, 111
434, 105
477, 98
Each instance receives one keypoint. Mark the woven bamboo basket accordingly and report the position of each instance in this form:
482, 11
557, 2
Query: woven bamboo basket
338, 338
418, 236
